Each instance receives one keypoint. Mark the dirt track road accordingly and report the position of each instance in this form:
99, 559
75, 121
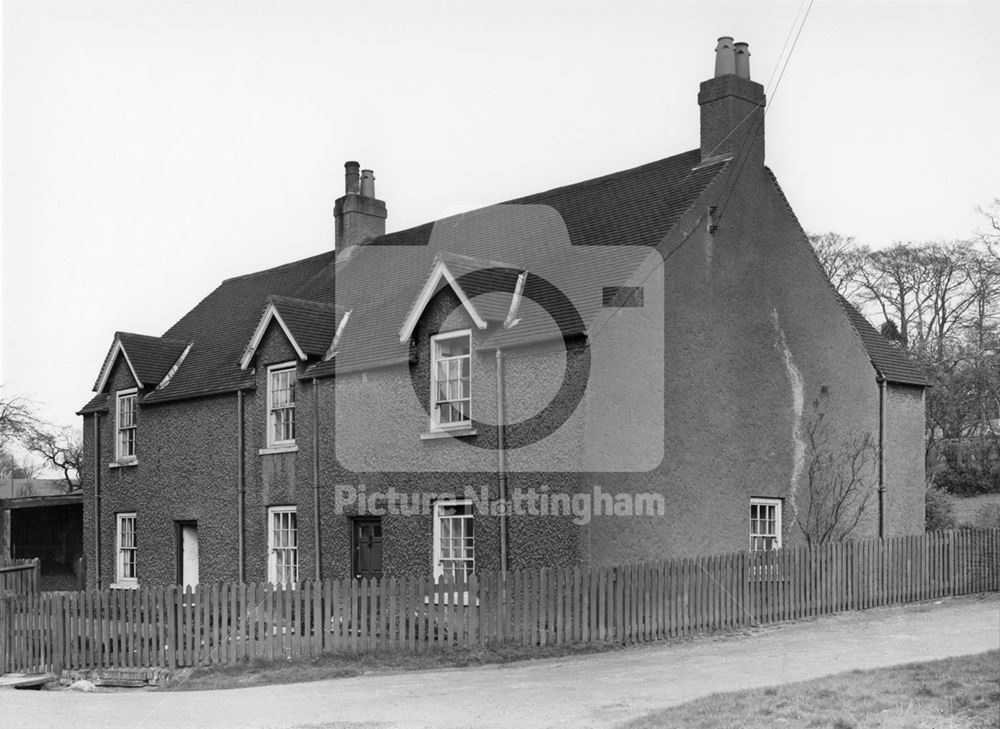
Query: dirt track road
598, 690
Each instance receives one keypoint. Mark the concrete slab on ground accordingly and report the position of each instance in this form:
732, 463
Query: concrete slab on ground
26, 680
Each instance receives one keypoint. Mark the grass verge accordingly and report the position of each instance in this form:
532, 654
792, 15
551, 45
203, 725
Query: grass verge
955, 693
260, 672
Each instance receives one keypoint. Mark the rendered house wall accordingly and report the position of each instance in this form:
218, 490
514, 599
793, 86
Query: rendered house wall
754, 336
185, 471
436, 466
905, 479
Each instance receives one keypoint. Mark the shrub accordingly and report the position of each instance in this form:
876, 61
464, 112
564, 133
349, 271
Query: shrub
938, 510
987, 516
967, 481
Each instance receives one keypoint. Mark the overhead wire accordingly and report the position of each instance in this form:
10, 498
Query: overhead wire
748, 140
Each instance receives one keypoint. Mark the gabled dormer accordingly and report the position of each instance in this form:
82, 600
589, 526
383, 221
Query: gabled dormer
151, 360
135, 364
312, 328
489, 291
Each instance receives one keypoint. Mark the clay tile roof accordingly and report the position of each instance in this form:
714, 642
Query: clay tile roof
152, 357
889, 362
221, 325
635, 207
312, 323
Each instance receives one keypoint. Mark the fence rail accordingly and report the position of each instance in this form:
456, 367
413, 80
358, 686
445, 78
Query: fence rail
226, 623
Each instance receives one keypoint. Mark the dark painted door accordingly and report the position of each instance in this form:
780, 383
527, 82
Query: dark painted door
367, 548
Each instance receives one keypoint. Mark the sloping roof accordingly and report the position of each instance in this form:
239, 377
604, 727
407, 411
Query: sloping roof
222, 324
312, 323
889, 362
635, 207
149, 358
309, 325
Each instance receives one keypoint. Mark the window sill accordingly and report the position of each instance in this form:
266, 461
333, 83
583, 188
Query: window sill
124, 463
456, 433
124, 585
449, 598
291, 448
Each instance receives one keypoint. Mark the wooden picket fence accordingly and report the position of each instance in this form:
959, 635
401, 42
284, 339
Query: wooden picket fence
20, 576
227, 623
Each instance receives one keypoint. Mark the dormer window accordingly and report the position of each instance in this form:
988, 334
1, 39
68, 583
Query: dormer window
281, 405
127, 411
451, 370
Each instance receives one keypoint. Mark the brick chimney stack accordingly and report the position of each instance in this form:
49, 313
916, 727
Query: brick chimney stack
732, 107
358, 215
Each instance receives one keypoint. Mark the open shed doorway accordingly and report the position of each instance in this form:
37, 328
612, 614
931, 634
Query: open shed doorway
52, 533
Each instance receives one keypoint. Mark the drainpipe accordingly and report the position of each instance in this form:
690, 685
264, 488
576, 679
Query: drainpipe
97, 500
241, 477
316, 540
881, 457
501, 462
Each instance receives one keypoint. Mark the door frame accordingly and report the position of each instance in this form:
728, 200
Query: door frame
356, 524
179, 548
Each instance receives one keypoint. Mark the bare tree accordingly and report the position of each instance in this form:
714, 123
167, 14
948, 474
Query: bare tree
989, 232
17, 420
60, 448
983, 273
841, 259
942, 295
841, 480
20, 428
13, 465
889, 280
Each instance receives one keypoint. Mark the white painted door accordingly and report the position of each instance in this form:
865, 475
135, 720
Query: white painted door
189, 554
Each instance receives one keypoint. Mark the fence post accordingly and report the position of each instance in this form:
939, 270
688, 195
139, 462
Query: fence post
36, 575
4, 629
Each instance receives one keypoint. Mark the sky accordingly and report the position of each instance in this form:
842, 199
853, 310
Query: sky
152, 149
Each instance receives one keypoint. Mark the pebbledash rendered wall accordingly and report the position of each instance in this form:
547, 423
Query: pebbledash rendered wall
755, 343
905, 457
434, 466
185, 470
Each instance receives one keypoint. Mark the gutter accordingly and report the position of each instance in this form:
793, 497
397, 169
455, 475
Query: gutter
97, 500
316, 536
241, 479
501, 462
881, 456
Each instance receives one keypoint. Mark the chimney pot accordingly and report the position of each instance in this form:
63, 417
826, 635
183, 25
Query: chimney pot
725, 59
351, 178
368, 184
742, 52
732, 107
359, 216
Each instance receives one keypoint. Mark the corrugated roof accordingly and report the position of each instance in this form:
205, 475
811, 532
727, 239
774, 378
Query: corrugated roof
889, 361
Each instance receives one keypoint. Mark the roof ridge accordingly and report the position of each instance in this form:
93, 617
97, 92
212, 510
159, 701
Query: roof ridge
582, 184
280, 298
264, 271
602, 179
119, 334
